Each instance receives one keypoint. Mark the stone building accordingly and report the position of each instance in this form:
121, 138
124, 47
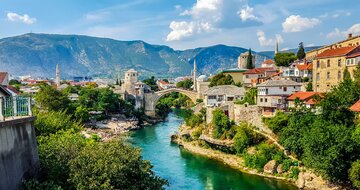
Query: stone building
350, 41
329, 66
242, 60
218, 95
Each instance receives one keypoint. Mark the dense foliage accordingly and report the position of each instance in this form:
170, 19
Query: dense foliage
51, 99
284, 59
185, 84
112, 165
328, 142
220, 123
250, 97
152, 83
222, 79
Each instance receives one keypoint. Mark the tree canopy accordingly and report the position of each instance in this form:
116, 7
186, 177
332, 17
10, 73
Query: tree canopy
152, 83
185, 84
284, 59
222, 79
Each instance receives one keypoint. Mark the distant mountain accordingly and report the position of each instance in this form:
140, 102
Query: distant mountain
38, 54
270, 54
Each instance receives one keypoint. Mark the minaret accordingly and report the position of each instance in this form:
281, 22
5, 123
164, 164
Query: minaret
194, 77
57, 79
276, 48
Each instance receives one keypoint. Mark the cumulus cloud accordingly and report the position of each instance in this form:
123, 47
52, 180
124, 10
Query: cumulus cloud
296, 23
264, 41
11, 16
185, 29
246, 13
354, 29
212, 15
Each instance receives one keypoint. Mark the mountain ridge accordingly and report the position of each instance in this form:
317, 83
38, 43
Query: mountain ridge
81, 55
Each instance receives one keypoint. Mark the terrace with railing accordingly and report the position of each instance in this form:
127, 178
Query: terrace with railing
14, 107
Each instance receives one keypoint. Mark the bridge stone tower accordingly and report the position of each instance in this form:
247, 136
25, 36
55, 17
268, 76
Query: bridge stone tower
131, 78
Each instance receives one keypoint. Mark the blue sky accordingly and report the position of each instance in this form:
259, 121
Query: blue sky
183, 24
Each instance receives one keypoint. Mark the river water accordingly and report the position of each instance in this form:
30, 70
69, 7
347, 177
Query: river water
187, 171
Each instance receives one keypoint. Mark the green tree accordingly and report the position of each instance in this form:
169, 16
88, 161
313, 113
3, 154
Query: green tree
301, 51
185, 84
241, 141
55, 152
221, 79
354, 174
47, 123
284, 59
220, 122
249, 61
357, 75
309, 86
250, 97
113, 165
82, 114
50, 99
14, 82
152, 83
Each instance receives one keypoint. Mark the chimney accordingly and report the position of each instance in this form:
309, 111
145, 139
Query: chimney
349, 35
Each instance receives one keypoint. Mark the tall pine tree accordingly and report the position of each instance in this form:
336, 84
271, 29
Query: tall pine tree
301, 52
249, 61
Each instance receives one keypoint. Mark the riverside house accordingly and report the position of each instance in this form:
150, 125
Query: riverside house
218, 95
272, 95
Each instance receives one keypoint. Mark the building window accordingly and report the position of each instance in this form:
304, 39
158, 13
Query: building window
279, 101
265, 99
280, 87
317, 64
211, 97
328, 75
261, 100
339, 75
328, 63
339, 62
317, 76
247, 76
285, 89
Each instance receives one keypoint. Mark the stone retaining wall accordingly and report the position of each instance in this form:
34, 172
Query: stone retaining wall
18, 152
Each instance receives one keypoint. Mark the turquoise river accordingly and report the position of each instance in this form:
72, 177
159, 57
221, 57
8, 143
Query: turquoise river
187, 171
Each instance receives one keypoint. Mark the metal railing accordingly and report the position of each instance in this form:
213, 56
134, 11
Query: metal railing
14, 106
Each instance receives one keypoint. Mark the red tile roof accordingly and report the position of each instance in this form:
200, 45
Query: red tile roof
302, 95
163, 82
2, 76
355, 107
341, 51
304, 67
258, 70
268, 62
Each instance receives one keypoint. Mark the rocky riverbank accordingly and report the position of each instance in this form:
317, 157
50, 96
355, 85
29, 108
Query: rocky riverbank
306, 178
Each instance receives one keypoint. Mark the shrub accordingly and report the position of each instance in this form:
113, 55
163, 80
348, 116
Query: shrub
354, 174
286, 164
196, 133
241, 141
294, 173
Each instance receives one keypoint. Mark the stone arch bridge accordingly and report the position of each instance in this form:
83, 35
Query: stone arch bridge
151, 99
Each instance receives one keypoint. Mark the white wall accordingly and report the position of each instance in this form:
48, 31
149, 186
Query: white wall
276, 90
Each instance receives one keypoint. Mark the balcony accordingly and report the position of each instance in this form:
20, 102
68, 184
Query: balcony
14, 107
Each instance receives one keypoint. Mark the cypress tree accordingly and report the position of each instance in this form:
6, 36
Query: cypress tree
249, 62
301, 52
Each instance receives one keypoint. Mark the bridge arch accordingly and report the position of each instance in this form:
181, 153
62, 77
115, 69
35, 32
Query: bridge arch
151, 99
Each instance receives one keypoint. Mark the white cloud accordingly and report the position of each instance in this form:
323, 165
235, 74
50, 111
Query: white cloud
178, 7
184, 29
11, 16
337, 33
264, 41
246, 13
296, 23
212, 15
